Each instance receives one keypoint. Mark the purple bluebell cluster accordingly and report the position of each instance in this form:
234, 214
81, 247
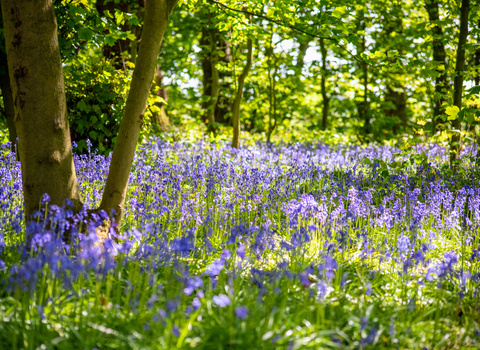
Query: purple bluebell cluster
207, 225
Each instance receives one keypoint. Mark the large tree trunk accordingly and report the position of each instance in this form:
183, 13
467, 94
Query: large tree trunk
458, 82
325, 97
39, 100
9, 109
440, 59
239, 95
155, 23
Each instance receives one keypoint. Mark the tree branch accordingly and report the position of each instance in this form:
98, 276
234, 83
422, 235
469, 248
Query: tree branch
281, 23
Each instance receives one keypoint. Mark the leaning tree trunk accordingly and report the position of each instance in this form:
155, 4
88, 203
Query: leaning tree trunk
9, 110
39, 100
458, 82
239, 95
155, 23
440, 58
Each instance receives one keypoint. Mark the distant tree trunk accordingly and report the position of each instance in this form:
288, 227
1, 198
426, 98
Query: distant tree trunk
477, 59
396, 99
223, 105
239, 95
302, 51
272, 110
9, 109
325, 97
155, 23
39, 101
440, 58
272, 96
363, 106
395, 94
458, 82
160, 119
215, 80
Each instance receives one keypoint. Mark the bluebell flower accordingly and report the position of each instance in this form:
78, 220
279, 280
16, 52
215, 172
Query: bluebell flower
241, 312
221, 300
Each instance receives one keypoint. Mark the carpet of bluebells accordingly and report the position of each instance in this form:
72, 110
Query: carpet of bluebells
304, 246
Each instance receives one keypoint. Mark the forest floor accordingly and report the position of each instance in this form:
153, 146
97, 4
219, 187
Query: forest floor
266, 247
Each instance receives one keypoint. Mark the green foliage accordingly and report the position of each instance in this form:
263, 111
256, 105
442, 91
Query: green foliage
96, 94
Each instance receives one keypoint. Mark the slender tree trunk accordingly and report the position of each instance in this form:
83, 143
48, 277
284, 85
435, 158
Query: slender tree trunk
395, 95
363, 106
477, 58
302, 51
458, 82
239, 95
325, 97
9, 110
272, 120
272, 96
215, 80
155, 23
160, 119
440, 58
38, 91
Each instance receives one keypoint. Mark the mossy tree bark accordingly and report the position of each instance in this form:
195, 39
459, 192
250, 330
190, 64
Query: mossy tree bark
239, 94
458, 82
41, 121
155, 23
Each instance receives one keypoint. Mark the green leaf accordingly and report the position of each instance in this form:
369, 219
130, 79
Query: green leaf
339, 11
85, 33
452, 112
110, 39
470, 118
474, 90
82, 106
93, 135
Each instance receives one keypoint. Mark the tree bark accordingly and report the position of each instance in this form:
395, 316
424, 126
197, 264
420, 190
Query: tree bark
272, 82
9, 110
363, 106
458, 82
39, 101
395, 94
325, 97
302, 51
215, 80
155, 23
440, 58
239, 95
477, 58
160, 119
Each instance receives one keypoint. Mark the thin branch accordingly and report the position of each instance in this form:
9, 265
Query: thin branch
281, 23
